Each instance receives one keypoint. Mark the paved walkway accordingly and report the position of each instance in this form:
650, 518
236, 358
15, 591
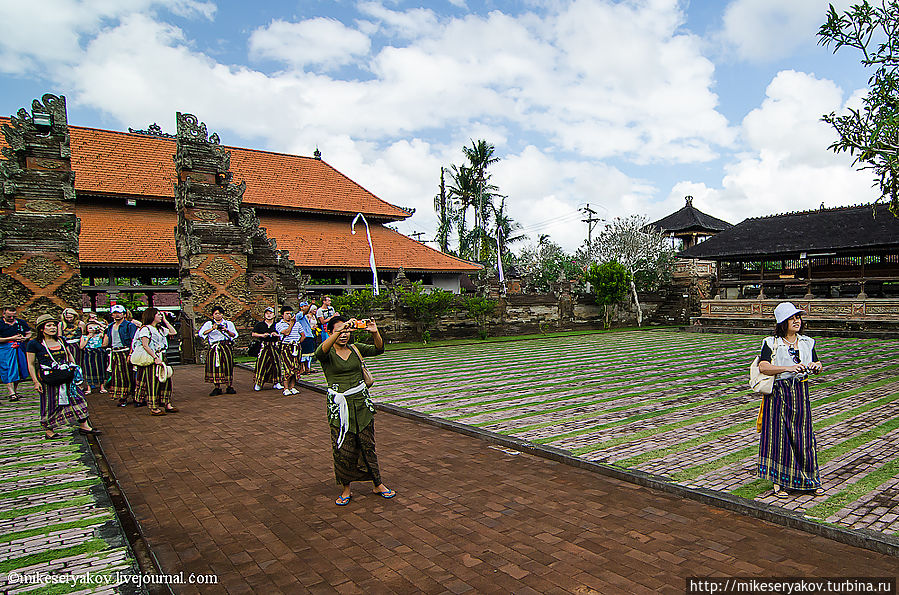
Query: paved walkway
242, 486
55, 516
672, 404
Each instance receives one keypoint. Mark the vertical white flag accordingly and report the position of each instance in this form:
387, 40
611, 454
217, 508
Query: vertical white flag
371, 251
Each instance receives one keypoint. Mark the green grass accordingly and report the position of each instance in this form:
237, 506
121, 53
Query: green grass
19, 512
46, 530
88, 547
863, 486
49, 488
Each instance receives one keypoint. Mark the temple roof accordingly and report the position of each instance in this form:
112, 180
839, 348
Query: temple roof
108, 163
853, 230
689, 219
145, 236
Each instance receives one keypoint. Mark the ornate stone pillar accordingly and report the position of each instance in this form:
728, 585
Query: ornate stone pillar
225, 258
39, 268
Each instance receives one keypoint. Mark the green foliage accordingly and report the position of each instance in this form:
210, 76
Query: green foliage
610, 282
423, 308
358, 303
545, 264
479, 308
870, 134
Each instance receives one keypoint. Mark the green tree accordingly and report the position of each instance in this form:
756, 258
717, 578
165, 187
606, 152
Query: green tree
358, 303
609, 282
870, 134
639, 248
443, 206
545, 263
479, 309
424, 308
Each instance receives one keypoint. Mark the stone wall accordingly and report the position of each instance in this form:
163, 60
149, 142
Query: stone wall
39, 268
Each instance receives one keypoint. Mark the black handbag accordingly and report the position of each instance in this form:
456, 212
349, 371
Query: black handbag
254, 349
56, 373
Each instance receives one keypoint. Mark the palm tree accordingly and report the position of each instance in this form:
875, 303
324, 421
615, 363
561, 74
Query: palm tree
444, 209
462, 189
480, 157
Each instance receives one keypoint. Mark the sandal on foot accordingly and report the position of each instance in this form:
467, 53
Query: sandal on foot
820, 492
55, 436
341, 501
14, 397
780, 492
157, 412
388, 494
171, 409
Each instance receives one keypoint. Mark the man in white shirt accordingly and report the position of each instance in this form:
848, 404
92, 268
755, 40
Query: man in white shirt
220, 334
324, 314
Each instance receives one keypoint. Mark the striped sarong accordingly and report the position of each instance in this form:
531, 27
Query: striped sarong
54, 415
121, 378
150, 390
220, 363
291, 356
787, 447
268, 364
13, 362
94, 364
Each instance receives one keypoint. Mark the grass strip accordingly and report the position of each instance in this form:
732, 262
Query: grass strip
855, 491
754, 489
45, 489
90, 546
50, 450
691, 473
27, 464
43, 474
20, 512
46, 530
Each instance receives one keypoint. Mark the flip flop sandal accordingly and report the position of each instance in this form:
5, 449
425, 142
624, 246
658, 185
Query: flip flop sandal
820, 492
341, 501
14, 397
780, 492
388, 494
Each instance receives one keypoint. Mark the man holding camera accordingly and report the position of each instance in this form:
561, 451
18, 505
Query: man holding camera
220, 334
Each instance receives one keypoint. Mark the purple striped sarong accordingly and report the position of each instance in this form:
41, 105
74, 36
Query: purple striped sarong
787, 448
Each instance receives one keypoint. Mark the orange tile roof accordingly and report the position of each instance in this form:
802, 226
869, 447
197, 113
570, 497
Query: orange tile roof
329, 244
126, 235
144, 235
107, 162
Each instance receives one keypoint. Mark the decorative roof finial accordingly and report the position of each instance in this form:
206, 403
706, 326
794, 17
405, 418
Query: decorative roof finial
689, 200
317, 154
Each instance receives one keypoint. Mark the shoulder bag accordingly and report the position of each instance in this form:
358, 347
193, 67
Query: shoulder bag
140, 356
758, 382
366, 375
56, 374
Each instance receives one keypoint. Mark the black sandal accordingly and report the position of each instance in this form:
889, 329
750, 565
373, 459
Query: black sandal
14, 397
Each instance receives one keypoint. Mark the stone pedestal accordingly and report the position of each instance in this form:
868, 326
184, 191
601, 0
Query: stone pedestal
39, 268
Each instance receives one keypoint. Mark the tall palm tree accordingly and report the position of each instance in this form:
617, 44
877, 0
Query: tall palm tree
462, 189
444, 209
480, 156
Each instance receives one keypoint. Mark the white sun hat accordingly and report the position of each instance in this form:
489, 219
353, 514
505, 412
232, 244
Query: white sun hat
784, 310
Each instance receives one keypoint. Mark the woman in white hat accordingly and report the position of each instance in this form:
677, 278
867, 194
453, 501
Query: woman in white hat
787, 448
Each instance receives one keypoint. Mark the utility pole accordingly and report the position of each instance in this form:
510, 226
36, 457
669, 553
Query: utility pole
591, 221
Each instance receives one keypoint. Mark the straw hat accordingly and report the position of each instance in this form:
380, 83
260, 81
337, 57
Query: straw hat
43, 319
164, 372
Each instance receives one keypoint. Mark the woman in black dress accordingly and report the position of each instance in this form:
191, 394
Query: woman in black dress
267, 362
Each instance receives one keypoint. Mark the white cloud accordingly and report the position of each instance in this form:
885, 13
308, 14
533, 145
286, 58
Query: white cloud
409, 24
760, 30
789, 166
327, 42
34, 38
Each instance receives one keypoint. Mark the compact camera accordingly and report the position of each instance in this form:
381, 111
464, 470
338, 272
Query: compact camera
360, 324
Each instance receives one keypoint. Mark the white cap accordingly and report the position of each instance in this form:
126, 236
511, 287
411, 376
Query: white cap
785, 310
118, 308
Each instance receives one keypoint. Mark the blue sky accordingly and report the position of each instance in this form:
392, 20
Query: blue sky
628, 105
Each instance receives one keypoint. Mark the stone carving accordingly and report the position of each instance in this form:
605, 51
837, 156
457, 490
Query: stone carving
219, 270
152, 130
42, 206
201, 290
8, 257
13, 292
225, 301
205, 215
260, 281
190, 127
41, 271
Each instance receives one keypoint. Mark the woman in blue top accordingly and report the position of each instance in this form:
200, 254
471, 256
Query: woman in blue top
787, 448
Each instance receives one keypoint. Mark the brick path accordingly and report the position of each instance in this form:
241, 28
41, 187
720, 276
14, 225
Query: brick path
242, 486
55, 518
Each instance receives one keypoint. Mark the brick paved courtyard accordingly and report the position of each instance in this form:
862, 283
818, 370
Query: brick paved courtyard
54, 514
673, 404
242, 486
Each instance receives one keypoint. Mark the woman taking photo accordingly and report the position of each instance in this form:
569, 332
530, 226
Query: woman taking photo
267, 362
787, 448
350, 410
150, 387
61, 404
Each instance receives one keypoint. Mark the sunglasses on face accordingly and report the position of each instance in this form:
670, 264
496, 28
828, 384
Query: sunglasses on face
794, 353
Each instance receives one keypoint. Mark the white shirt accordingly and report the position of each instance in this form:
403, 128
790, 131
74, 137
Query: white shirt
296, 334
158, 342
216, 335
